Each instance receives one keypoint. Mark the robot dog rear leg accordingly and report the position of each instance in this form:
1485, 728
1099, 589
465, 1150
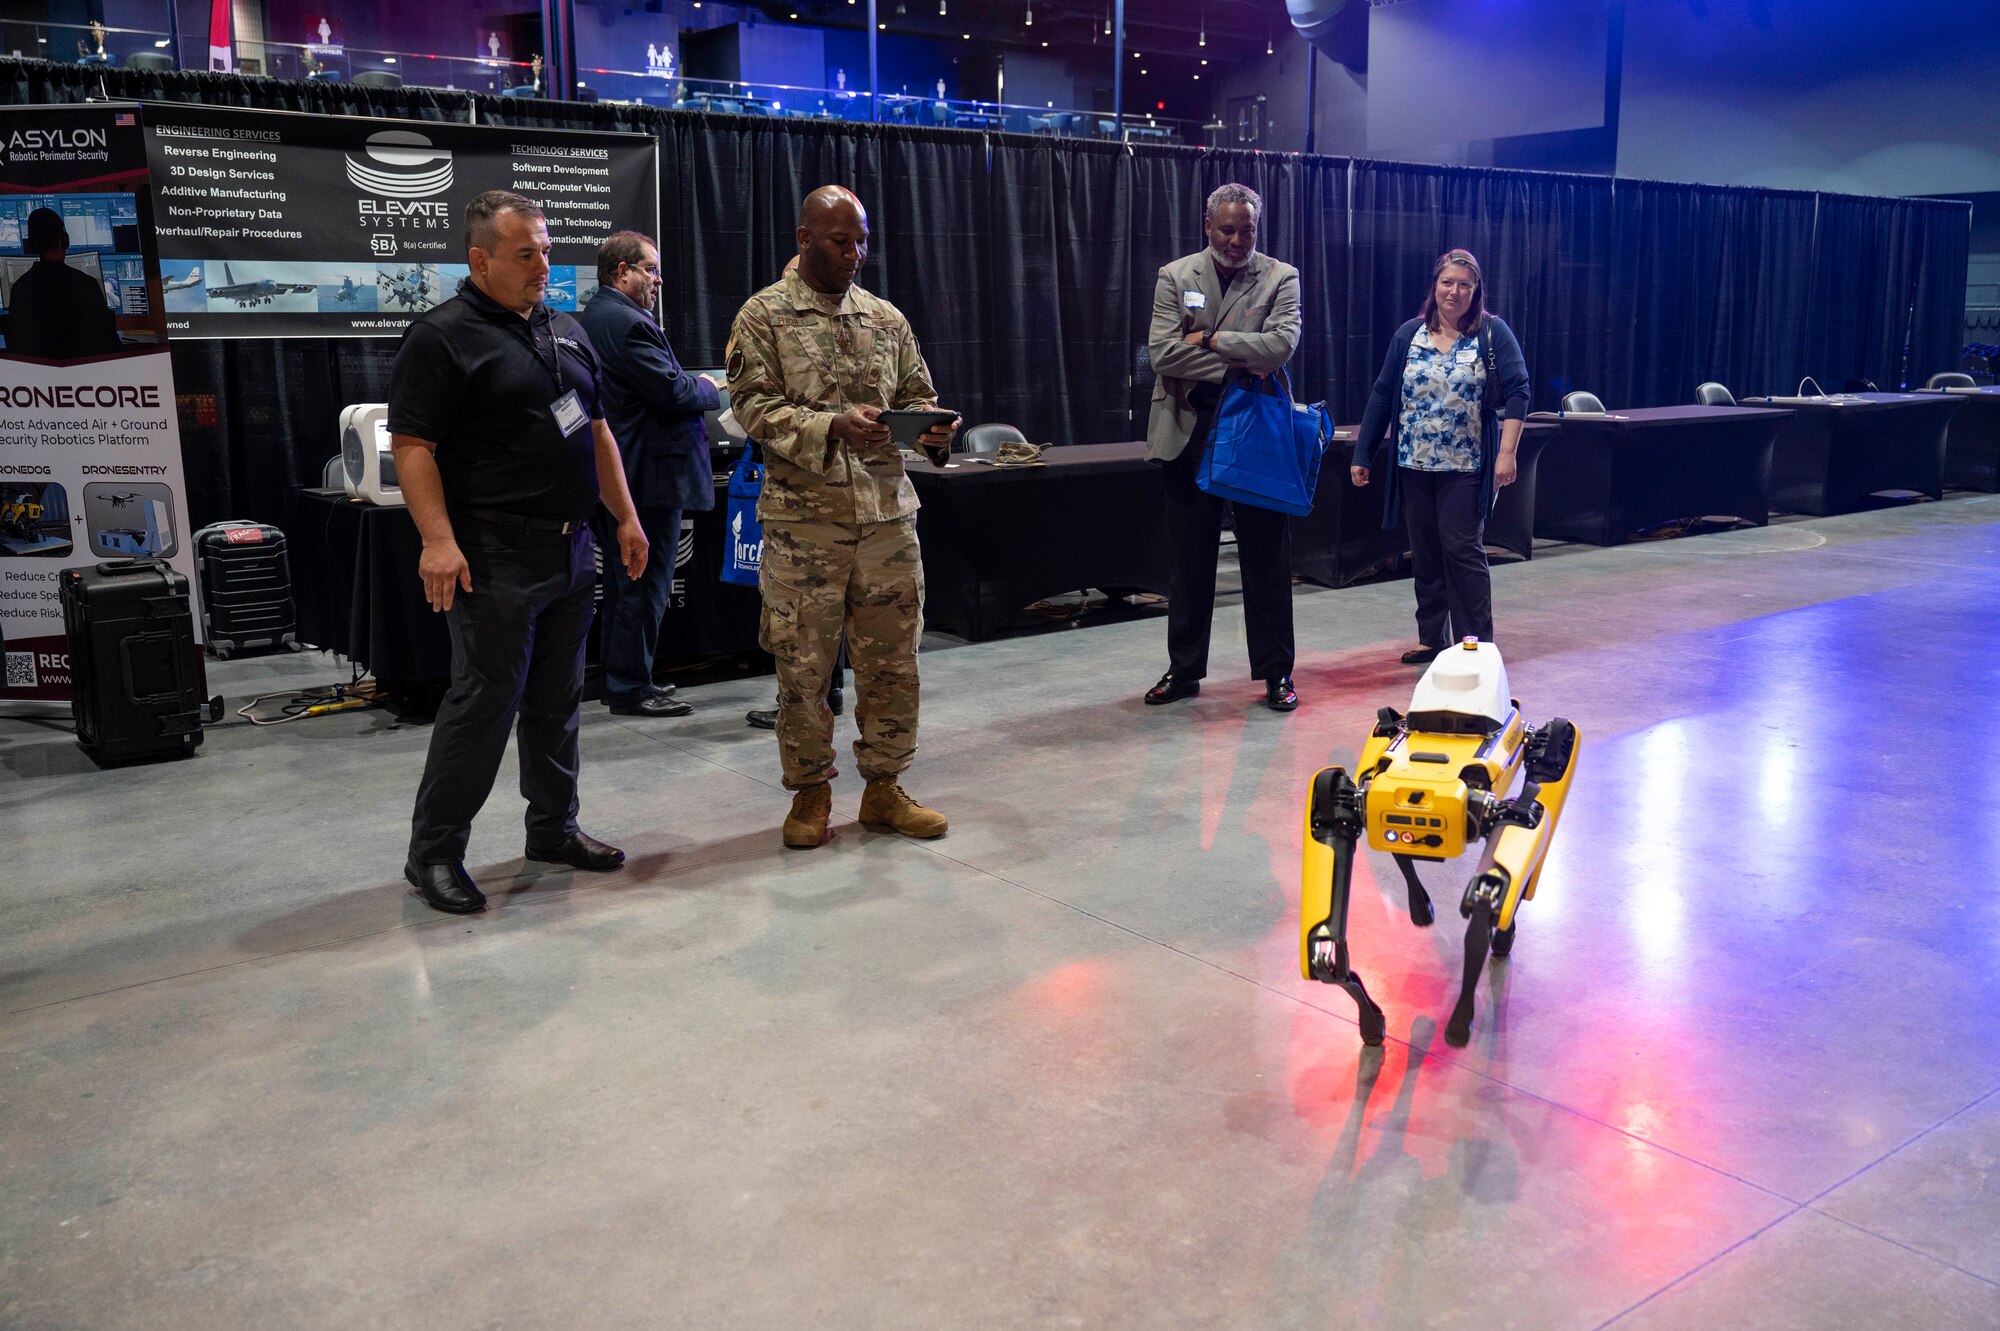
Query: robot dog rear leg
1331, 952
1422, 913
1478, 939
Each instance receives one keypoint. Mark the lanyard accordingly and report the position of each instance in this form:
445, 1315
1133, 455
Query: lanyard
554, 364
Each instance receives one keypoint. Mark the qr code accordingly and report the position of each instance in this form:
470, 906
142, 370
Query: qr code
20, 670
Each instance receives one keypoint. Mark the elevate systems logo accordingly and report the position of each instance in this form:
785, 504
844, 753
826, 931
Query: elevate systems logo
401, 164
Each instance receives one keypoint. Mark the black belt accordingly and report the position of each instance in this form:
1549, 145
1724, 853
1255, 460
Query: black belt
522, 522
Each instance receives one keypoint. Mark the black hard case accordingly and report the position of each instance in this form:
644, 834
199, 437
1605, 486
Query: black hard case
246, 587
136, 691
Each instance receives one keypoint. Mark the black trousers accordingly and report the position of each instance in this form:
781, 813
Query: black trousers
516, 663
1447, 555
633, 609
1264, 550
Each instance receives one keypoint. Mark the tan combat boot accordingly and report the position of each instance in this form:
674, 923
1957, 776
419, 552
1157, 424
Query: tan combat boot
805, 825
887, 807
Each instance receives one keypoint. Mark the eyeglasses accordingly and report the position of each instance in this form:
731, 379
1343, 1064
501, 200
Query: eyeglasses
651, 269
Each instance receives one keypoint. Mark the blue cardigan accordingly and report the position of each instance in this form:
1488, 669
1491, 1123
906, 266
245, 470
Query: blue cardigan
1386, 399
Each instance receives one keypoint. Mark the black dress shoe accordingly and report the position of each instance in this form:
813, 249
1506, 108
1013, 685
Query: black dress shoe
763, 720
580, 851
653, 704
665, 690
1421, 656
836, 698
1170, 689
446, 887
1279, 695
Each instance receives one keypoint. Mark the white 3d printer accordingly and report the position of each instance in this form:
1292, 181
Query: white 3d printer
368, 467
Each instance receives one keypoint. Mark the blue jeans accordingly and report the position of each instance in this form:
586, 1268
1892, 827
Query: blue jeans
633, 608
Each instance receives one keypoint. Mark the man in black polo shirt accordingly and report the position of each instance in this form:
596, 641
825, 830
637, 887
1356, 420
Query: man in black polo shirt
501, 452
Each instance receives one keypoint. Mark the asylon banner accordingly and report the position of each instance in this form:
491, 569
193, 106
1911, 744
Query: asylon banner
278, 224
90, 446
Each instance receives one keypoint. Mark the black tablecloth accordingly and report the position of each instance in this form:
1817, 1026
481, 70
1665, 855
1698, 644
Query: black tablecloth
1342, 539
998, 539
1972, 444
1607, 477
1834, 454
354, 575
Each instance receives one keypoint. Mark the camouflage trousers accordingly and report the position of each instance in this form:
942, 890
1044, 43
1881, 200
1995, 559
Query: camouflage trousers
818, 578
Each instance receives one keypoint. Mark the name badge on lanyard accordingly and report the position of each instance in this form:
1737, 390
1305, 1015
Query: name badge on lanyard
569, 413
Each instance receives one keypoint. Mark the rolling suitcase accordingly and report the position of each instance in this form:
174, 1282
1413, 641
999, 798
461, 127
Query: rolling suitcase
246, 587
132, 657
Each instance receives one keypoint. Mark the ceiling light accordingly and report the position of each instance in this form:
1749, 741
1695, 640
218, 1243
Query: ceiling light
1204, 61
1031, 15
1044, 43
882, 27
941, 9
388, 60
966, 35
1197, 78
163, 44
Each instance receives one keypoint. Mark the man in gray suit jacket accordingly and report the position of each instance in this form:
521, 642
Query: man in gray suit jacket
1217, 315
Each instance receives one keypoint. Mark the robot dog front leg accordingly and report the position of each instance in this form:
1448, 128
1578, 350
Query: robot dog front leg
1333, 826
1518, 834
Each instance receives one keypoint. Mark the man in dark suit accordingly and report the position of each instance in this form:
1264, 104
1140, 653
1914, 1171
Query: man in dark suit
655, 411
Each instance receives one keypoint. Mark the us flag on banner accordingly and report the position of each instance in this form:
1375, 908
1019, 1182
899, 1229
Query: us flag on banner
221, 37
126, 118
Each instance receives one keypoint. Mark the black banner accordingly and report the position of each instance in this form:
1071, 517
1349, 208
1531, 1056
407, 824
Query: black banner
277, 224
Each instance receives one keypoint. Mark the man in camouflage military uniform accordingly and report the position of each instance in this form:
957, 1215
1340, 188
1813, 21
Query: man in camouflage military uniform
815, 362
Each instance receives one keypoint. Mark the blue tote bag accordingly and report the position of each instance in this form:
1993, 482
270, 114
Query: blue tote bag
1264, 448
742, 534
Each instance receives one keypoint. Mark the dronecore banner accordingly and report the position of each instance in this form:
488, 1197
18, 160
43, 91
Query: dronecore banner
90, 444
278, 224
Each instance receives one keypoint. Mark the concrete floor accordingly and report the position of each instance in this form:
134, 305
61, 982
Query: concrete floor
1059, 1069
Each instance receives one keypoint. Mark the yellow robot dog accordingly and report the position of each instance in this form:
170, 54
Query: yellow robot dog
1429, 784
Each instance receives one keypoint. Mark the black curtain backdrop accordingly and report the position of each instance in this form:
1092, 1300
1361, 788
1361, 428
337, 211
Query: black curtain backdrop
1052, 235
1027, 267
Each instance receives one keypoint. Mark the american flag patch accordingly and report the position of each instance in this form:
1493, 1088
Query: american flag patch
126, 118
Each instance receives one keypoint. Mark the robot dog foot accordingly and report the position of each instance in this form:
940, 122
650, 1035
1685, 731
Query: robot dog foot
1374, 1026
1422, 913
1329, 967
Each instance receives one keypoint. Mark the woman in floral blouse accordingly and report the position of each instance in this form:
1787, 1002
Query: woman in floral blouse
1457, 387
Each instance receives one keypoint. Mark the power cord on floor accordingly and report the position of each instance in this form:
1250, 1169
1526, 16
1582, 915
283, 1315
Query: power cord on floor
347, 697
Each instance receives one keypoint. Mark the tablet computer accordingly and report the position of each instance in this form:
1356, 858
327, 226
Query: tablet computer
905, 426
